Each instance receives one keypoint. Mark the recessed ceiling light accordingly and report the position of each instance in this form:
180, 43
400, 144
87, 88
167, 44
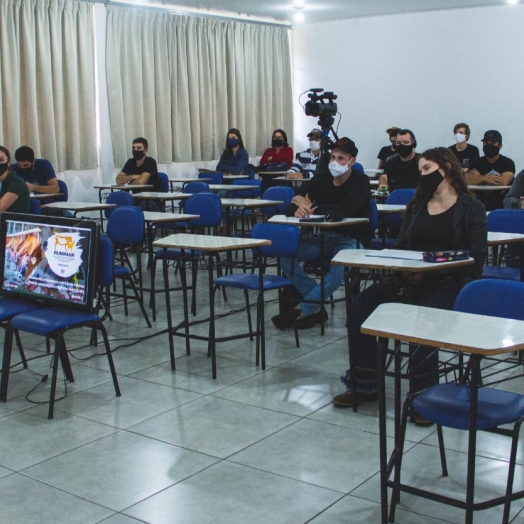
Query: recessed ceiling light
299, 3
513, 1
299, 17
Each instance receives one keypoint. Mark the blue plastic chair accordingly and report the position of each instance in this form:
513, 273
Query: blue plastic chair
125, 229
215, 176
209, 207
34, 206
248, 193
164, 182
393, 220
193, 188
284, 243
53, 323
62, 189
278, 193
357, 166
449, 405
506, 221
119, 198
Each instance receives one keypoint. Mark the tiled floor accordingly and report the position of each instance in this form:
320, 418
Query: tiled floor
249, 447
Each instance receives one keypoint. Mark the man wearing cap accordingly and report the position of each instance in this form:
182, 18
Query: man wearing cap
401, 171
491, 169
387, 152
465, 153
337, 191
305, 163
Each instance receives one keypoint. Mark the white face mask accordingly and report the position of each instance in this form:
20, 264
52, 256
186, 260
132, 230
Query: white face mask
460, 138
337, 170
314, 145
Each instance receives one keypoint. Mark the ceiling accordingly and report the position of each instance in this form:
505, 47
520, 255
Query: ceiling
314, 10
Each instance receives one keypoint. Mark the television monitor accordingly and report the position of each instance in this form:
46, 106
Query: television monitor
48, 260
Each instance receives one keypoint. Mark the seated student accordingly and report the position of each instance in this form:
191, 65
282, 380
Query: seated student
278, 153
234, 159
387, 152
491, 169
38, 173
141, 169
401, 171
14, 193
515, 197
337, 190
465, 153
442, 215
305, 163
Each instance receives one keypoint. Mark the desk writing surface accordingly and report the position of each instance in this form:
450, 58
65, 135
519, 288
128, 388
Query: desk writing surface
156, 195
231, 187
78, 206
208, 242
444, 329
272, 173
360, 258
488, 188
233, 177
157, 216
495, 239
249, 202
43, 196
293, 221
183, 180
124, 187
391, 208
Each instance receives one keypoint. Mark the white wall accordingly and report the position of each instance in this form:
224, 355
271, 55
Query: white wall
424, 71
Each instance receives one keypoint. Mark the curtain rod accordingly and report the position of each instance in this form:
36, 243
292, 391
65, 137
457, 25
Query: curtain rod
186, 13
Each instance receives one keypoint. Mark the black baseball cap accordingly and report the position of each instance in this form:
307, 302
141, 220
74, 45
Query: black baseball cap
315, 133
347, 145
492, 135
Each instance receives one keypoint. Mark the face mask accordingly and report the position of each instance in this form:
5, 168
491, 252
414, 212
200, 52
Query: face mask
460, 138
431, 181
3, 168
278, 142
25, 170
490, 150
403, 150
314, 145
233, 142
137, 155
337, 170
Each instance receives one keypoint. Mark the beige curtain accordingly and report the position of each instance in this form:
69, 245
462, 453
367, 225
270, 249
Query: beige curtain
47, 80
182, 82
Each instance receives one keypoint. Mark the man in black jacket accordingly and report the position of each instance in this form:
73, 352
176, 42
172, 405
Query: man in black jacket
337, 191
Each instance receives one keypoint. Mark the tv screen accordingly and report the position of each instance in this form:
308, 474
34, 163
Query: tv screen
49, 260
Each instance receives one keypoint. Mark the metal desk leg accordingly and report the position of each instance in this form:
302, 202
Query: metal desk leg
382, 345
168, 309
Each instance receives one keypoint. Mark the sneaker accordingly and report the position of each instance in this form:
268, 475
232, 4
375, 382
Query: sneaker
285, 320
309, 321
347, 400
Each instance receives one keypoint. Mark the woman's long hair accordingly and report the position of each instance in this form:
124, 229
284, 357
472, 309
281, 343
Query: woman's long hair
448, 162
228, 151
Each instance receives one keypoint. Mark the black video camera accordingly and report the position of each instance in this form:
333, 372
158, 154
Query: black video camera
321, 105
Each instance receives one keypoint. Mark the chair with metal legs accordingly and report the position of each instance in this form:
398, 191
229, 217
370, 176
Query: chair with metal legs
54, 323
468, 406
125, 228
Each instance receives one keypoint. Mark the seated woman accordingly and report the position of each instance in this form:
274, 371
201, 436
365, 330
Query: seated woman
442, 215
14, 194
278, 153
234, 159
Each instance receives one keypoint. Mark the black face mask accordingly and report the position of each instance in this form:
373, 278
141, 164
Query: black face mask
277, 142
490, 150
25, 170
431, 181
404, 150
3, 168
137, 155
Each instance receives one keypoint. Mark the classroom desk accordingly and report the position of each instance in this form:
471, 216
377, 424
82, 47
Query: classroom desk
162, 198
230, 188
322, 226
477, 335
120, 187
271, 174
501, 239
357, 259
43, 196
243, 204
180, 180
387, 209
294, 182
78, 207
212, 245
488, 188
227, 176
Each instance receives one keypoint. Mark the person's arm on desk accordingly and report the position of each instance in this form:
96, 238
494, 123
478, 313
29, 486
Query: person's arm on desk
122, 178
382, 181
51, 187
